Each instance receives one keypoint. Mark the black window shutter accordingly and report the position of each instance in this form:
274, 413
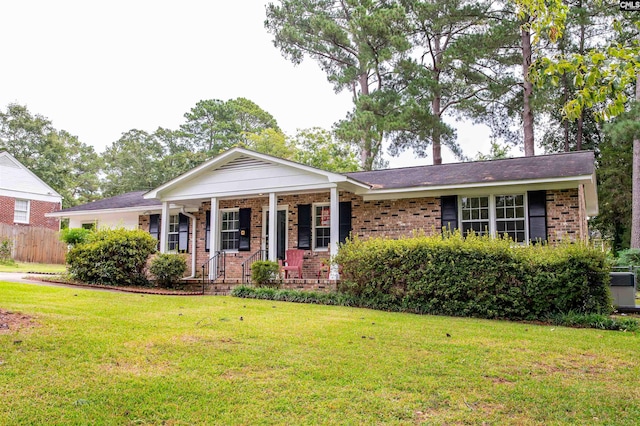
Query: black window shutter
183, 233
344, 220
207, 232
154, 226
244, 217
537, 201
449, 212
304, 226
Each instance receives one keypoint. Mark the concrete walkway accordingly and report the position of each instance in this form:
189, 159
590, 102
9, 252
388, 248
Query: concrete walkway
21, 277
17, 277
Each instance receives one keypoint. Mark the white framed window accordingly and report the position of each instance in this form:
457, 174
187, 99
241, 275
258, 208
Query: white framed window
229, 229
475, 215
89, 225
21, 211
510, 217
321, 226
173, 237
495, 215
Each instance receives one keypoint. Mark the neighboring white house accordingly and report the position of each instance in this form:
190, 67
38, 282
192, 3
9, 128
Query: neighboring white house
25, 199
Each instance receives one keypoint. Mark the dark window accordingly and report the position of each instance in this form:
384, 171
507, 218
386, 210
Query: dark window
344, 221
304, 226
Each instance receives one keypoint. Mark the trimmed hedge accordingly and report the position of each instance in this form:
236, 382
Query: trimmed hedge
112, 256
475, 276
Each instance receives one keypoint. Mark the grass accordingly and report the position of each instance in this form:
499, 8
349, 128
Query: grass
32, 267
112, 358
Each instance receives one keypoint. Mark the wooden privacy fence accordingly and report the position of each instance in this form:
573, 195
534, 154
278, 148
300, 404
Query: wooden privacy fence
31, 244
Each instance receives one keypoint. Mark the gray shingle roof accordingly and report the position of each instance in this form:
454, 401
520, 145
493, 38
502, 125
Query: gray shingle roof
130, 199
512, 169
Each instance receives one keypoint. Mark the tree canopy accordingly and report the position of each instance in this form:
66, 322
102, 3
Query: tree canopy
55, 156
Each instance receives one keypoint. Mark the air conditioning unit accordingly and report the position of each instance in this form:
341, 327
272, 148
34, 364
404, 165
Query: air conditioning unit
623, 289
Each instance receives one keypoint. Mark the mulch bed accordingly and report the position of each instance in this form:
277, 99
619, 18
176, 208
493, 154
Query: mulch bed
143, 290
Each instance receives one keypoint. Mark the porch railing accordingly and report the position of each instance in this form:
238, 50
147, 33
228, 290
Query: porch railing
246, 265
214, 268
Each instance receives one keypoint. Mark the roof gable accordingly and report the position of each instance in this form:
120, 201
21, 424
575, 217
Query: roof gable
242, 172
18, 181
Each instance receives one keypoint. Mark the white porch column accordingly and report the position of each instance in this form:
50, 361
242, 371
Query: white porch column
164, 227
334, 231
273, 222
213, 235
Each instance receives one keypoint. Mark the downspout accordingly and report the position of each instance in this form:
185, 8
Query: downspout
193, 242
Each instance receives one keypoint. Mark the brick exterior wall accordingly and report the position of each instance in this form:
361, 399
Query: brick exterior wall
37, 209
393, 218
389, 218
565, 217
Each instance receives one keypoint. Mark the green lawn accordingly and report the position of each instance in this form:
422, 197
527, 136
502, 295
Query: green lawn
33, 267
114, 358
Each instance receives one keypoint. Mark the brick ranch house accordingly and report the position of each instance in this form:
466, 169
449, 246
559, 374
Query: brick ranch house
24, 198
221, 209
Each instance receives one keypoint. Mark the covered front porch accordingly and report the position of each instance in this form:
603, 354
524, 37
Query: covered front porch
232, 199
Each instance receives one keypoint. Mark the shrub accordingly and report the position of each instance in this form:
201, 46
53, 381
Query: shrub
475, 276
572, 319
264, 273
6, 246
73, 236
168, 269
628, 257
112, 256
283, 295
602, 322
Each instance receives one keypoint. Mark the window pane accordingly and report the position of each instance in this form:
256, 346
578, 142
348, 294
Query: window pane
321, 226
21, 211
323, 235
475, 214
229, 230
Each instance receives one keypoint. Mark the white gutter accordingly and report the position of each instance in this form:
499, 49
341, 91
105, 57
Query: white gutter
193, 241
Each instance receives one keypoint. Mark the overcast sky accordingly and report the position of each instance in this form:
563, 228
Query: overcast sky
100, 68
